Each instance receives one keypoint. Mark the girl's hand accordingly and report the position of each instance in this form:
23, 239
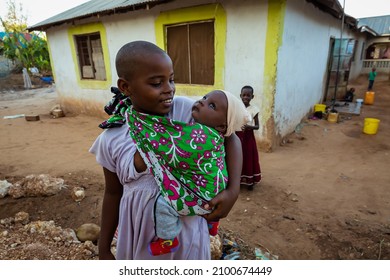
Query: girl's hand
222, 204
224, 201
246, 127
106, 256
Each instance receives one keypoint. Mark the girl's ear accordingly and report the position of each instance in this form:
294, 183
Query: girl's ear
124, 86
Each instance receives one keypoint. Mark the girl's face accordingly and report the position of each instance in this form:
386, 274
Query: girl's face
246, 96
211, 110
151, 88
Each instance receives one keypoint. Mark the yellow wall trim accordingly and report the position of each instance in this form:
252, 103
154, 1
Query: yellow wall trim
275, 24
198, 13
86, 29
51, 59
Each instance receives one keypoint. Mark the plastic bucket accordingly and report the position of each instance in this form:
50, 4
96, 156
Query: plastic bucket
319, 108
369, 97
333, 117
370, 125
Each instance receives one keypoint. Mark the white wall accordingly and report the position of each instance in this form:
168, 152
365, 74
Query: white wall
245, 46
245, 50
357, 64
302, 63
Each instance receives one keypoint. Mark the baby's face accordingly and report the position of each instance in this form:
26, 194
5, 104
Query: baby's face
211, 110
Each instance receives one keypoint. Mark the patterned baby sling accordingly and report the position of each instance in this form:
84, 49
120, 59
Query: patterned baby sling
186, 160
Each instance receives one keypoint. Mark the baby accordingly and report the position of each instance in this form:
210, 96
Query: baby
187, 160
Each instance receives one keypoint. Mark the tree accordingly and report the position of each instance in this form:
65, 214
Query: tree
15, 20
30, 49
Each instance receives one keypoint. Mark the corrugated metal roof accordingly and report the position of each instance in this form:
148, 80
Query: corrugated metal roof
334, 8
91, 8
107, 7
380, 24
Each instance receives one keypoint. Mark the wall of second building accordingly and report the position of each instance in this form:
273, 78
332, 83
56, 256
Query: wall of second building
302, 62
357, 63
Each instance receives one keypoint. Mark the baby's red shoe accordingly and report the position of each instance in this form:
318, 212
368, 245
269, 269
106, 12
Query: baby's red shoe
213, 228
163, 246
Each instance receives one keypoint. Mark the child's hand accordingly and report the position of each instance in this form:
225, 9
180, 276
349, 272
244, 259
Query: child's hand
222, 205
106, 256
246, 127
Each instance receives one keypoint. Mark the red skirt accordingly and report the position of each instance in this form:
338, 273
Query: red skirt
251, 172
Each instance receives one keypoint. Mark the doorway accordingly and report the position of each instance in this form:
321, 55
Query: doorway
339, 65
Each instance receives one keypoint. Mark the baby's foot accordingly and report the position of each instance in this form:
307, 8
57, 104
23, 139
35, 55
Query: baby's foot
163, 246
213, 228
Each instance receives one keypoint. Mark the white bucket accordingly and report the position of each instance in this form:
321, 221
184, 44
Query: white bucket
359, 102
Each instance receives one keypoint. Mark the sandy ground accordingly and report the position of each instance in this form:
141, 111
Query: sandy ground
324, 194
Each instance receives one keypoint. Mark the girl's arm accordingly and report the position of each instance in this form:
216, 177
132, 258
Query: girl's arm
110, 214
225, 200
253, 127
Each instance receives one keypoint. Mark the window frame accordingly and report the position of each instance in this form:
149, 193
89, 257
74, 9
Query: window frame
81, 56
88, 29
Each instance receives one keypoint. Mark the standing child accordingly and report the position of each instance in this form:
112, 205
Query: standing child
146, 77
187, 160
251, 172
371, 78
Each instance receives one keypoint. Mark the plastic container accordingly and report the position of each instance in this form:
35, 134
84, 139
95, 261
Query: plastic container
319, 108
333, 117
359, 102
369, 98
371, 125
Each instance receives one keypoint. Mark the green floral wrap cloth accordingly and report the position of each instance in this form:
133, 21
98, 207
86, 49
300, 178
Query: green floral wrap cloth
187, 160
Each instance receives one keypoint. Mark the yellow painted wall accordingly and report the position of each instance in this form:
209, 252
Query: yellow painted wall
276, 11
275, 23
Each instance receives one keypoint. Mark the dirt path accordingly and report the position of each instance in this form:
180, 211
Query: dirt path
324, 193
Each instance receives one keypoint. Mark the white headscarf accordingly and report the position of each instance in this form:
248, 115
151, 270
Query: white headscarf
237, 115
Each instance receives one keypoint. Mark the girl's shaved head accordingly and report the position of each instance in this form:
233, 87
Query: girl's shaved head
131, 55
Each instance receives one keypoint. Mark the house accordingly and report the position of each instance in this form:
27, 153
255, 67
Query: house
287, 50
377, 50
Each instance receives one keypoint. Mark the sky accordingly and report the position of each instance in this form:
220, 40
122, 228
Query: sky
39, 10
366, 8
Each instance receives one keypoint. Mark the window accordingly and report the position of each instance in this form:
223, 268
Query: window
351, 48
191, 47
90, 56
200, 64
